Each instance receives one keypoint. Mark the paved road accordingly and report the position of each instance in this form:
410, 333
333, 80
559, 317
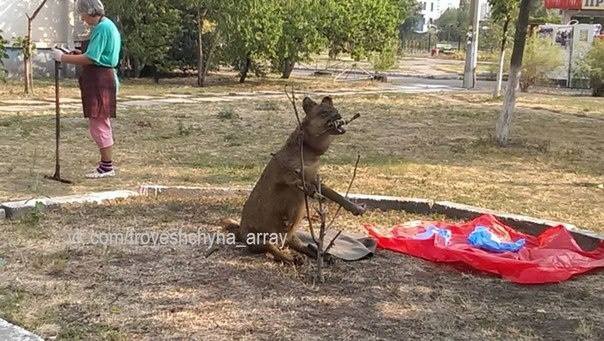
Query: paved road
451, 83
448, 81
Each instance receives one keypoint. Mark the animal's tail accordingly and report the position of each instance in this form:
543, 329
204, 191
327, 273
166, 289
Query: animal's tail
231, 226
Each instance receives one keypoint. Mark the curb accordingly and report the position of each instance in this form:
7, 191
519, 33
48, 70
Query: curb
9, 331
17, 209
588, 240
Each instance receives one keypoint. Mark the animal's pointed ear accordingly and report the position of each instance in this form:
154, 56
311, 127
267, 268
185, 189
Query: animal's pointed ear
308, 104
328, 101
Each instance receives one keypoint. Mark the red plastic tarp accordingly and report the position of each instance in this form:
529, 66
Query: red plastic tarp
551, 257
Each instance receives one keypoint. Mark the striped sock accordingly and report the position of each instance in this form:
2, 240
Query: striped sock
105, 167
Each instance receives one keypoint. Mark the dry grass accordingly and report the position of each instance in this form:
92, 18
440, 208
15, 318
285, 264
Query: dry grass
222, 82
117, 292
436, 146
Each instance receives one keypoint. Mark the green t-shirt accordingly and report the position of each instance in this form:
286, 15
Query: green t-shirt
104, 46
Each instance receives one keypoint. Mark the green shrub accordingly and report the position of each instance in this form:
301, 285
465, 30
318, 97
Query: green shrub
541, 57
594, 65
385, 59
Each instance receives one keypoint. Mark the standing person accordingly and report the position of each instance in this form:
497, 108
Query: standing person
98, 80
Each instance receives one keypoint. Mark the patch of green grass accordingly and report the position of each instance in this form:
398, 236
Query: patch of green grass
227, 113
88, 332
10, 121
267, 106
75, 322
29, 225
233, 140
183, 131
52, 263
10, 303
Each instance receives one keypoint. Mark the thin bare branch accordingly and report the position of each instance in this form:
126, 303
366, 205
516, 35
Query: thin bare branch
333, 241
354, 175
292, 99
37, 11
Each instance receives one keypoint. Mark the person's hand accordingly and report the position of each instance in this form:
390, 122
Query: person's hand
57, 55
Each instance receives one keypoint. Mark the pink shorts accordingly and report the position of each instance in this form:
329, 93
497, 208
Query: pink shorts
101, 132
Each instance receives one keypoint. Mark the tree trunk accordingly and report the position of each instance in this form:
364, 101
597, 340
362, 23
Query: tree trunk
200, 66
201, 13
138, 67
27, 51
497, 92
288, 67
209, 55
505, 118
25, 72
499, 83
246, 68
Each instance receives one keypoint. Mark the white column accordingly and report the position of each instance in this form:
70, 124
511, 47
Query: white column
469, 78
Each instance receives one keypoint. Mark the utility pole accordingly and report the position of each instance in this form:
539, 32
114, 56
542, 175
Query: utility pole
469, 75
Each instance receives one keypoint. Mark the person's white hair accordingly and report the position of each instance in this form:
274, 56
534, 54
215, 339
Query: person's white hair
91, 7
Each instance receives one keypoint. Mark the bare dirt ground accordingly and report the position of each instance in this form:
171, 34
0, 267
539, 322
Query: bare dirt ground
82, 291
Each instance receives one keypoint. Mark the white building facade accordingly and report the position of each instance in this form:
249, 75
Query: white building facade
430, 10
56, 24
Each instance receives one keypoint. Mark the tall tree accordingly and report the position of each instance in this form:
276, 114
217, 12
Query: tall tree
502, 11
360, 27
449, 26
203, 14
251, 29
507, 112
452, 24
148, 29
300, 35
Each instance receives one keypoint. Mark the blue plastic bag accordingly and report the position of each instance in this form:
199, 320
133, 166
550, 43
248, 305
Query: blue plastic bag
485, 239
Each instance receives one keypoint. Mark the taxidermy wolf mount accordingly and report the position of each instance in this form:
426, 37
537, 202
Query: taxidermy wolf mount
276, 205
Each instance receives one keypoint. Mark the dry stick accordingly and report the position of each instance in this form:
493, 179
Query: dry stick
211, 251
301, 141
320, 252
333, 241
354, 175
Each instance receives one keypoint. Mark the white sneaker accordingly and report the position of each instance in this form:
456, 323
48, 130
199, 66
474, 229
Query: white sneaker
96, 175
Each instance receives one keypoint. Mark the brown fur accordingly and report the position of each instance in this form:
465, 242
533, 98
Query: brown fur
276, 204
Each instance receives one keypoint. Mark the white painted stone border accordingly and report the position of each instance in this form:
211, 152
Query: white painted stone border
17, 208
10, 332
